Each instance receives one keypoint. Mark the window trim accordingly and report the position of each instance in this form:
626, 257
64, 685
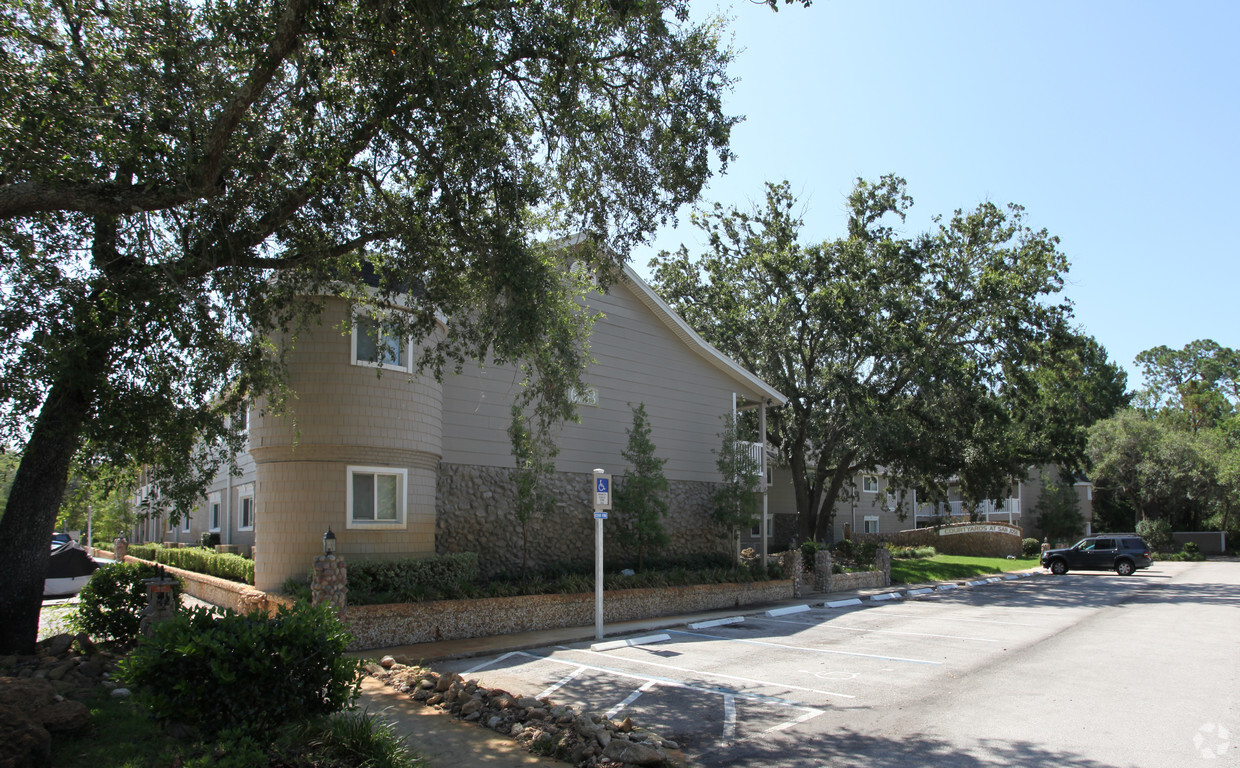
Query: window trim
215, 512
865, 524
869, 480
185, 523
402, 499
355, 360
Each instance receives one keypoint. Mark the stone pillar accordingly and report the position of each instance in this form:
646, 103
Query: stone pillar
794, 569
330, 583
882, 562
120, 548
822, 570
161, 603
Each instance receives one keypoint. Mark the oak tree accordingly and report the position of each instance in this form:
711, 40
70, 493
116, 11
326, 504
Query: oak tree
182, 180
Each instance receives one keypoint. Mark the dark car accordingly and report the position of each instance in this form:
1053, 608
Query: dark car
1123, 553
60, 538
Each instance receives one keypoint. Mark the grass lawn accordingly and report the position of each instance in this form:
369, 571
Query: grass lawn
950, 567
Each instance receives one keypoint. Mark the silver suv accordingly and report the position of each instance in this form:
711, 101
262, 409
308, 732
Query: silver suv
1123, 553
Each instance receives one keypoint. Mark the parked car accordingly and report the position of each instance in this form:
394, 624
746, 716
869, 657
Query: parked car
60, 538
1124, 553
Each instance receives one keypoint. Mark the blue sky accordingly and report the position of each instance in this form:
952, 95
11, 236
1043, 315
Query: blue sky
1115, 124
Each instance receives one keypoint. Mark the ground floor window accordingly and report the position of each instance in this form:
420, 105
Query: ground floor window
213, 504
871, 525
376, 497
245, 520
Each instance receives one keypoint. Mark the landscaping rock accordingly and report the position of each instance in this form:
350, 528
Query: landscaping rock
634, 753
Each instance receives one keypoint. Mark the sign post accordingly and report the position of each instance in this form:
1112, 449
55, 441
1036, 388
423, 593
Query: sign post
600, 490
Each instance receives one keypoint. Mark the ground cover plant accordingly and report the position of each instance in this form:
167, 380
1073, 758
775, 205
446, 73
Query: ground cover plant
950, 567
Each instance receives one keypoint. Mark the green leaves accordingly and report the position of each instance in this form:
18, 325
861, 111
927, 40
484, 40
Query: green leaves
894, 351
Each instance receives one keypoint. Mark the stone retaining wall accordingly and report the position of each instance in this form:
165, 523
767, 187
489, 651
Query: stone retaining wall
211, 589
385, 626
474, 513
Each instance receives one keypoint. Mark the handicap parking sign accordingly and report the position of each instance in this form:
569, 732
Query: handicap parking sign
602, 492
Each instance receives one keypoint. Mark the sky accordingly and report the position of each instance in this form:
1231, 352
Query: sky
1115, 124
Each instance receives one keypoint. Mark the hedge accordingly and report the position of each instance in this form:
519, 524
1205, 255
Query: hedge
198, 560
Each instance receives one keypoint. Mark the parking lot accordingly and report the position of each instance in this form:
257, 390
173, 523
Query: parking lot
709, 688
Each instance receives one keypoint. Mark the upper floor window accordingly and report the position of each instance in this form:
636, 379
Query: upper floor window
869, 484
372, 345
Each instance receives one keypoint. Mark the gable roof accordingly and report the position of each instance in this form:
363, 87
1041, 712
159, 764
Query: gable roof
661, 310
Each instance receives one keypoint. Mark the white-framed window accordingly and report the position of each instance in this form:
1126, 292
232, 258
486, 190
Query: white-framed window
376, 497
869, 483
891, 501
375, 347
870, 524
184, 523
756, 530
214, 511
245, 508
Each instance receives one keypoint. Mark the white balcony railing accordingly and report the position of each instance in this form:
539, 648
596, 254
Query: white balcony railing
1003, 511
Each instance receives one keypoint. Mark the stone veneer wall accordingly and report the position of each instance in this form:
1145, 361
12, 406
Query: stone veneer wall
386, 626
474, 506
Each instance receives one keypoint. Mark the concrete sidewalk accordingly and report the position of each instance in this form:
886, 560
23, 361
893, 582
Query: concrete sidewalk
447, 742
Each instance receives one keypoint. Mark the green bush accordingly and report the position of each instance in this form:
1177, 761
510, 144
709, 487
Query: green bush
249, 672
913, 553
210, 539
1157, 533
380, 581
199, 560
1030, 547
1191, 548
808, 550
110, 605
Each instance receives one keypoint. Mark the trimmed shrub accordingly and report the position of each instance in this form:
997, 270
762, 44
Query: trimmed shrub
250, 672
110, 605
913, 553
1191, 548
1030, 547
808, 550
395, 581
199, 560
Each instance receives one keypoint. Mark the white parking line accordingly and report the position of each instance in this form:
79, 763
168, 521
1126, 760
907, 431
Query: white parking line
632, 697
957, 618
796, 721
486, 664
711, 674
729, 717
563, 680
807, 650
825, 625
674, 683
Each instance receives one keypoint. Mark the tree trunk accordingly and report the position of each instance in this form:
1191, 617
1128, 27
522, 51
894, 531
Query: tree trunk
30, 516
826, 518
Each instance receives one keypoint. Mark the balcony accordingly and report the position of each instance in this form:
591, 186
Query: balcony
1003, 511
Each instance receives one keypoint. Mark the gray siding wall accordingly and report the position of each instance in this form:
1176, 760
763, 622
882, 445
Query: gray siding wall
640, 360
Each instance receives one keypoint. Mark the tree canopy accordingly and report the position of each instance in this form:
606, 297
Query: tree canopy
932, 357
1175, 455
180, 178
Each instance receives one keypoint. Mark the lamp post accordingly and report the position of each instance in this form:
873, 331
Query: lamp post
329, 542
